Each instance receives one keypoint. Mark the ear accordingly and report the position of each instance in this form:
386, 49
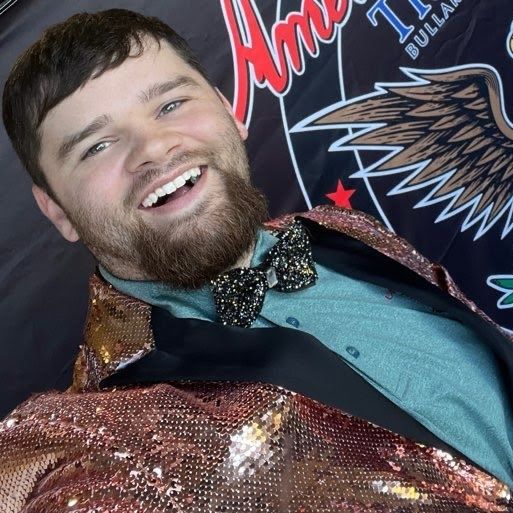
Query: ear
55, 213
241, 127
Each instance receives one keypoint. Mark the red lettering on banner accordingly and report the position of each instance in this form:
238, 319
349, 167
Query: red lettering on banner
273, 59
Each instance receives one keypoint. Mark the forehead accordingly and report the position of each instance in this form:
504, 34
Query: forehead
116, 90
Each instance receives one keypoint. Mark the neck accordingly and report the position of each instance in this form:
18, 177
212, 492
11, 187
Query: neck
245, 259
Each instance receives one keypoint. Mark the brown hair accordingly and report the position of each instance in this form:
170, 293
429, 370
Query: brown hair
65, 57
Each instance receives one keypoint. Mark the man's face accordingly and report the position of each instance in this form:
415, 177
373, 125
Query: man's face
136, 133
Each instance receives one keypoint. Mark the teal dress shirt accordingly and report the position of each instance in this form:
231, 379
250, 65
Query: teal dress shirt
431, 366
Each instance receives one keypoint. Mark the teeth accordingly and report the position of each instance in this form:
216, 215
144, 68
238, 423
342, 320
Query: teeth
170, 187
179, 182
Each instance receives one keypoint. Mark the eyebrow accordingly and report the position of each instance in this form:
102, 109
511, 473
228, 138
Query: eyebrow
70, 142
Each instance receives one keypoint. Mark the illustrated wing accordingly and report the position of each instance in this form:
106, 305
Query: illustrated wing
448, 125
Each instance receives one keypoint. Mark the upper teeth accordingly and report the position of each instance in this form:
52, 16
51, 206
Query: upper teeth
170, 187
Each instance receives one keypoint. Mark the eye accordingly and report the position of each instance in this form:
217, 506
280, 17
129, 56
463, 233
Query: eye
170, 107
93, 150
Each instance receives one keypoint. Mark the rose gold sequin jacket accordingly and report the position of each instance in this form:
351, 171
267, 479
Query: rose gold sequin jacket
221, 447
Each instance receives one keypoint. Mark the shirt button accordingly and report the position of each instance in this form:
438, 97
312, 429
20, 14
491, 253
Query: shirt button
353, 351
293, 322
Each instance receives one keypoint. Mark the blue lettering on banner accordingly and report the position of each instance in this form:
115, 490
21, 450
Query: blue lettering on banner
381, 7
421, 8
431, 18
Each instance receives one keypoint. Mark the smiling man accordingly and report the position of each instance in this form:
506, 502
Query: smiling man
323, 365
146, 165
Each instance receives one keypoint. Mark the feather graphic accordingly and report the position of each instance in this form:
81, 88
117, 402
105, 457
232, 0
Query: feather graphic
447, 130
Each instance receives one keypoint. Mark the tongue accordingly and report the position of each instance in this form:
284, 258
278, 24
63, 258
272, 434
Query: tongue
179, 193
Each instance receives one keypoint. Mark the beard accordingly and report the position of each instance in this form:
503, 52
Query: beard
184, 253
208, 247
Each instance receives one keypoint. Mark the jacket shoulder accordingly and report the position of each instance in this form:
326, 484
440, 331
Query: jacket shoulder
372, 233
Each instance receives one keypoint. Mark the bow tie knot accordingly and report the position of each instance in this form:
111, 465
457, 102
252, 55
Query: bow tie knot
239, 293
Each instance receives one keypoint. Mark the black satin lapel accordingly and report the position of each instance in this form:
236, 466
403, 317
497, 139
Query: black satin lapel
190, 349
353, 258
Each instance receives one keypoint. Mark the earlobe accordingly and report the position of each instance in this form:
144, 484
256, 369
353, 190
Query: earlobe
55, 214
241, 127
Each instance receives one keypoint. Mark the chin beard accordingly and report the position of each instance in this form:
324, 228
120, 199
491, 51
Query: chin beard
185, 255
207, 246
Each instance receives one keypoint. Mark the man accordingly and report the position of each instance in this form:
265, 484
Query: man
215, 373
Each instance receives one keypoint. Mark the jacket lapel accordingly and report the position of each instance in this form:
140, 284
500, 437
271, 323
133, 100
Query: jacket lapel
191, 349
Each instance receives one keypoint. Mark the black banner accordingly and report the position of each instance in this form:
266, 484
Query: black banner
399, 108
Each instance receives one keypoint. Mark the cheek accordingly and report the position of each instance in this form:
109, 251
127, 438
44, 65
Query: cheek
208, 124
104, 183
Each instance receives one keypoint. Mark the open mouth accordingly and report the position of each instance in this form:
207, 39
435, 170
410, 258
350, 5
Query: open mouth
173, 190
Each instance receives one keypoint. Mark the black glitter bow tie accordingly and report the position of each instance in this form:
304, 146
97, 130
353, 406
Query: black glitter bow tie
239, 294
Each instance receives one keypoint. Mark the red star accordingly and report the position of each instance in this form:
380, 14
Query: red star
341, 196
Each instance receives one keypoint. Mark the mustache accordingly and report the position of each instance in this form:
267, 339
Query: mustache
144, 178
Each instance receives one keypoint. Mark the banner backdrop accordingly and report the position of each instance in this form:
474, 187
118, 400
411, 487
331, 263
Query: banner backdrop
399, 108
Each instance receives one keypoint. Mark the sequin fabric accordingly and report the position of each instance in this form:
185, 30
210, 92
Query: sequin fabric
215, 447
117, 332
232, 448
239, 293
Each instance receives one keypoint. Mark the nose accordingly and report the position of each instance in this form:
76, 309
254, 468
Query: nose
152, 147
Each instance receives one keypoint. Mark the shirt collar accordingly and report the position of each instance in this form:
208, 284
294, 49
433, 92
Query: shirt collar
118, 325
196, 303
